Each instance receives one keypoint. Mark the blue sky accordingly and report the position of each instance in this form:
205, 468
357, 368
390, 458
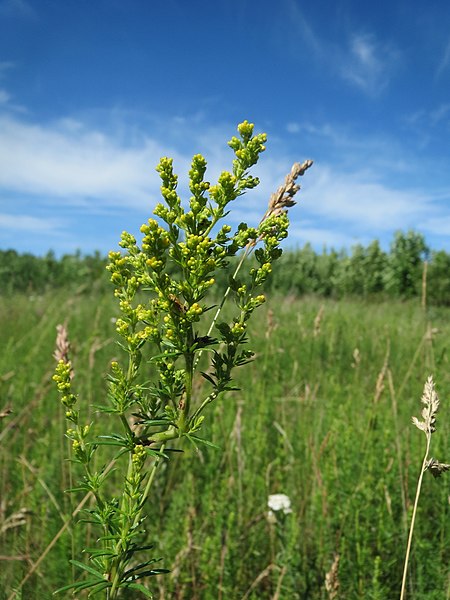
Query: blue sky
92, 94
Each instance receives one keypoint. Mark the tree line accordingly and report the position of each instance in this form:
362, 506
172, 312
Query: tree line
405, 271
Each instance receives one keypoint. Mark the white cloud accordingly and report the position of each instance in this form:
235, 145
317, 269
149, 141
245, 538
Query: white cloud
440, 113
355, 150
429, 117
67, 160
437, 225
320, 237
428, 126
304, 29
364, 203
368, 186
29, 224
360, 59
368, 64
293, 127
4, 96
340, 208
333, 135
6, 102
67, 163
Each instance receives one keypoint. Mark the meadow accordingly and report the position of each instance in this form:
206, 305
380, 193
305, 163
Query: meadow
323, 415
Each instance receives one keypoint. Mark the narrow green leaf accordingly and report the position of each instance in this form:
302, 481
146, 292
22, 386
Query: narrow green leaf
152, 422
96, 553
193, 439
99, 587
150, 573
140, 588
140, 566
81, 585
208, 378
71, 586
87, 568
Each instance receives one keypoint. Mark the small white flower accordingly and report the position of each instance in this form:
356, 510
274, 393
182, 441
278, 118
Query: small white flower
277, 502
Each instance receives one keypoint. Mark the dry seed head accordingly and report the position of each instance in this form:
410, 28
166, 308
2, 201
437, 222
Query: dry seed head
318, 321
62, 348
5, 412
283, 198
332, 579
271, 323
17, 519
388, 499
436, 467
356, 358
379, 387
431, 401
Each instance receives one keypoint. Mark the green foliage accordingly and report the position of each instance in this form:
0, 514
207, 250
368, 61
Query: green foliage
361, 273
32, 274
438, 279
163, 287
404, 267
306, 423
368, 272
321, 421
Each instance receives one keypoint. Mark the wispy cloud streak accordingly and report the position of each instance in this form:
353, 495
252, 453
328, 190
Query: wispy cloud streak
368, 64
25, 223
360, 59
445, 61
67, 160
47, 169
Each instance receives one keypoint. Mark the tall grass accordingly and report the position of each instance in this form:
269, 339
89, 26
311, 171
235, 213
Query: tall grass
323, 416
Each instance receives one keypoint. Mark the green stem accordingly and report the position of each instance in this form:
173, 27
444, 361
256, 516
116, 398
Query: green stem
117, 565
151, 477
171, 433
121, 546
227, 291
205, 402
89, 475
189, 362
126, 426
413, 518
246, 252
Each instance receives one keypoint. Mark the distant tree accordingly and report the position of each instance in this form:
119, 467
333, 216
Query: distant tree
361, 273
29, 273
298, 272
438, 278
328, 267
349, 276
374, 267
366, 272
404, 265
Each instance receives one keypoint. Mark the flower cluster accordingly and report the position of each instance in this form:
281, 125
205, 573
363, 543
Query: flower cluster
164, 288
279, 502
176, 266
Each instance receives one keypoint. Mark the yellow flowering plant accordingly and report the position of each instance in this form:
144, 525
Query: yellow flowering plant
165, 290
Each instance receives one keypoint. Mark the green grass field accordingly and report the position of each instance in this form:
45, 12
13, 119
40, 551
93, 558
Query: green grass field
323, 415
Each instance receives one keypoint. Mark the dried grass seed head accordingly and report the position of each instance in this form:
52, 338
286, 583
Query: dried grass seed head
431, 401
62, 346
437, 468
332, 583
283, 198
